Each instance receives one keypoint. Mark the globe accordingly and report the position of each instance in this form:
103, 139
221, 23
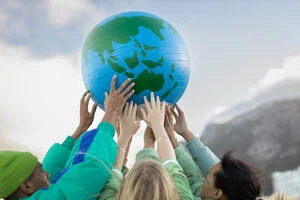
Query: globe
140, 46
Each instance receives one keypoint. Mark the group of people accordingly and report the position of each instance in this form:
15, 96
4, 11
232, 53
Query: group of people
91, 165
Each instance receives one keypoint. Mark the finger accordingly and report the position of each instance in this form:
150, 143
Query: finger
168, 111
167, 114
134, 109
163, 106
179, 110
113, 84
126, 110
124, 84
127, 89
143, 114
157, 102
152, 100
94, 108
130, 108
147, 105
86, 102
166, 121
174, 113
128, 95
82, 98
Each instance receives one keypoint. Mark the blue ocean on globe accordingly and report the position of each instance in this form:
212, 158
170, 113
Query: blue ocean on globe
140, 46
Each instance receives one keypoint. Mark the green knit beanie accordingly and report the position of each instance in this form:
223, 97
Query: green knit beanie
15, 168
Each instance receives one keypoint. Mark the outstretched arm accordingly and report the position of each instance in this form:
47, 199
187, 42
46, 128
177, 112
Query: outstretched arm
96, 151
190, 169
128, 127
86, 117
56, 158
153, 115
201, 154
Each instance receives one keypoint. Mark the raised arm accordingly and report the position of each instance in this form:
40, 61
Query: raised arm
128, 127
153, 115
148, 152
86, 117
96, 150
56, 158
201, 154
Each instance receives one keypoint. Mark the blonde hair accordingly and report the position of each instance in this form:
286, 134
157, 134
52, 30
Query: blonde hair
147, 180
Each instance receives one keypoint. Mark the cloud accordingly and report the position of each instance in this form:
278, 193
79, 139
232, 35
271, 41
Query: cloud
278, 83
290, 70
39, 97
61, 13
40, 101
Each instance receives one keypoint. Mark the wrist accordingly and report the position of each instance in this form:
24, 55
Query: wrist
158, 129
188, 136
174, 142
79, 130
123, 141
110, 117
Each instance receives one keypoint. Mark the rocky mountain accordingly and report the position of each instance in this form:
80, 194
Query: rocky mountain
267, 137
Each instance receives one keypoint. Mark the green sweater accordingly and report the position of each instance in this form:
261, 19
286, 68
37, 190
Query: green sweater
173, 168
79, 169
200, 155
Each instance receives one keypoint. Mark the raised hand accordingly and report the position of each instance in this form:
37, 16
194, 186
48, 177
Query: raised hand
181, 126
86, 117
115, 99
169, 126
153, 112
128, 123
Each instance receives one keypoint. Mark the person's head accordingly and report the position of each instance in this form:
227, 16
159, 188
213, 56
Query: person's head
21, 174
147, 180
231, 179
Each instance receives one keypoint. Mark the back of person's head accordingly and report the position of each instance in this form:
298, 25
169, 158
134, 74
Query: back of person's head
147, 180
237, 180
15, 168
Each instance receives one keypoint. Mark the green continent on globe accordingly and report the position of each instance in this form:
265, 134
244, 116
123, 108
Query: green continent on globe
102, 37
146, 80
133, 61
152, 64
170, 90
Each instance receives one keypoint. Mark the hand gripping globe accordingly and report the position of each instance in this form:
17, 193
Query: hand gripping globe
140, 46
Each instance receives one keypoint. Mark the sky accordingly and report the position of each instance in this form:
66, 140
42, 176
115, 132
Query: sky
238, 50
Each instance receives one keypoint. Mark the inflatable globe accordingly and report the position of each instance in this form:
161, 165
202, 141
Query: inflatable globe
140, 46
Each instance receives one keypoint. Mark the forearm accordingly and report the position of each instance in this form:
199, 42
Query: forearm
187, 135
149, 144
164, 146
110, 117
120, 159
78, 132
202, 155
123, 145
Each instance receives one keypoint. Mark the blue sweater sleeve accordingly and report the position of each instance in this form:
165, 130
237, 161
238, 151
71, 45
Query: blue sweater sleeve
202, 155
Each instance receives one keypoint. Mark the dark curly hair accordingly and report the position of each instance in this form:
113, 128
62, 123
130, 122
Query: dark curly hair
237, 180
